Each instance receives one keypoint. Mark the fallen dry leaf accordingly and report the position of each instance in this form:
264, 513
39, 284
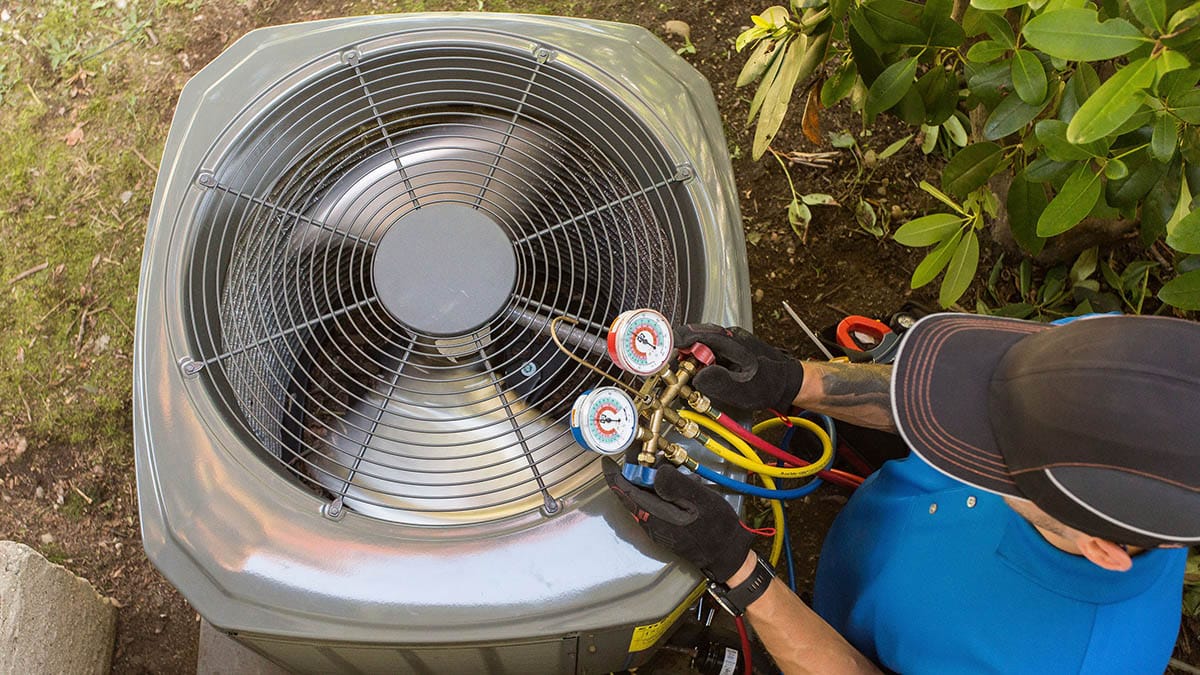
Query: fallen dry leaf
812, 116
11, 448
74, 136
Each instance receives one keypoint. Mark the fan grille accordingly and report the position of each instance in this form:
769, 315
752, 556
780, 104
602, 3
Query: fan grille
393, 414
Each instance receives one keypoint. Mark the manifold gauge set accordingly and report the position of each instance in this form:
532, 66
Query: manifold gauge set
609, 420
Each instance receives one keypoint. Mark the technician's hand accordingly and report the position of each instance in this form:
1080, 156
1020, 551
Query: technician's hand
749, 373
686, 517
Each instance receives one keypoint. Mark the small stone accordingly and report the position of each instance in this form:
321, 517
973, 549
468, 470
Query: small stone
678, 29
126, 196
39, 492
46, 538
758, 295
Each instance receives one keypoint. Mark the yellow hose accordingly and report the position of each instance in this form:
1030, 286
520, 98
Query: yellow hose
751, 461
713, 446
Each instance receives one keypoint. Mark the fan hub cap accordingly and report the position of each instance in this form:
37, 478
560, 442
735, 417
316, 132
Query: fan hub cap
444, 269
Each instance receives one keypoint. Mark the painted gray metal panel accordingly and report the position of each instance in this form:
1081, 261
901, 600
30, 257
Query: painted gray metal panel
251, 550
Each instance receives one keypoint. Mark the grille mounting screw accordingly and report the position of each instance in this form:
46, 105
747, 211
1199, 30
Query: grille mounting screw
206, 179
683, 172
551, 506
542, 55
350, 57
334, 510
190, 366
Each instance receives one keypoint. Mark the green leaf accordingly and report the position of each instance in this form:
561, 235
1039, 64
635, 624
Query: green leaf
1185, 18
986, 51
1026, 201
1072, 203
1029, 78
818, 199
1085, 265
904, 23
864, 215
956, 132
1169, 61
1025, 277
971, 167
928, 230
799, 216
1185, 236
941, 196
1077, 35
988, 84
768, 80
1186, 106
1165, 138
1082, 85
1016, 310
890, 86
779, 95
865, 53
1183, 291
935, 261
1130, 191
839, 85
1181, 227
1115, 169
1114, 102
1152, 13
939, 92
1158, 207
929, 137
1045, 170
961, 271
1053, 136
1178, 82
748, 36
760, 59
996, 5
1009, 117
895, 147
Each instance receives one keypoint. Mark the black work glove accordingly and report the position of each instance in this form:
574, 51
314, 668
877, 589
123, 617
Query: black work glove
749, 373
686, 517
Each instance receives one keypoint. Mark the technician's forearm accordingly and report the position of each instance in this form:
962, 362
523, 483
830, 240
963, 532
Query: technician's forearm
799, 639
858, 393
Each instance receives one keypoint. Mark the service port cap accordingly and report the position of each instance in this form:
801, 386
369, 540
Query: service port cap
640, 341
604, 420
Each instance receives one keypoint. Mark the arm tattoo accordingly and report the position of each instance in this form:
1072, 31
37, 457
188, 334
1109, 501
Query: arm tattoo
857, 393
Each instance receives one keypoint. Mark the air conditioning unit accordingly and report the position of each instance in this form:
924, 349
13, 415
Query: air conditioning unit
353, 451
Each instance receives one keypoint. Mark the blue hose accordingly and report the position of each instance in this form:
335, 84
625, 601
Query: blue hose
754, 490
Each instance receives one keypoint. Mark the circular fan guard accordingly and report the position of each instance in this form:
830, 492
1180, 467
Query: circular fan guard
492, 175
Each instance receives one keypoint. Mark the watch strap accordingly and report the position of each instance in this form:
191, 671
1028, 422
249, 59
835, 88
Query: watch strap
735, 600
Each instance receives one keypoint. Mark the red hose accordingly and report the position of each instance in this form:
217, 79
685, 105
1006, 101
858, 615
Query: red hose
748, 668
832, 475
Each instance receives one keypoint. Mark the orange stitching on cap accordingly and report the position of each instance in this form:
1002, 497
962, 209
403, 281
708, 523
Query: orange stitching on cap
950, 448
1094, 465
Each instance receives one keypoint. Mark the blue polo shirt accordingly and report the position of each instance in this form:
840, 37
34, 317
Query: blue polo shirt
924, 574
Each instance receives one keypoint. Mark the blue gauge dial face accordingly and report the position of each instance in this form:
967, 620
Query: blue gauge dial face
606, 420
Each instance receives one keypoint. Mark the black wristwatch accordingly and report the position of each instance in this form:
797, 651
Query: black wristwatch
735, 600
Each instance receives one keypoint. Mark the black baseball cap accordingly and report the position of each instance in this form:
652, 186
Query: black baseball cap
1097, 421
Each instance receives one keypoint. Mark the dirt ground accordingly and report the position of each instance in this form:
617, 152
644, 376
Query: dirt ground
74, 499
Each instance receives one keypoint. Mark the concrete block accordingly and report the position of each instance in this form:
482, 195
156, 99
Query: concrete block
222, 655
51, 621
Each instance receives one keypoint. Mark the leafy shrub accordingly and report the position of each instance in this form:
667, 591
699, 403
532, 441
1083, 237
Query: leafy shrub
1081, 110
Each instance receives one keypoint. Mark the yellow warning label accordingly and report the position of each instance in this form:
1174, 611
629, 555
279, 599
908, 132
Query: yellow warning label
644, 637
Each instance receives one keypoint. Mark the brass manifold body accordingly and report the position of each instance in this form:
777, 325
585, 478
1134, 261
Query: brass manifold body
655, 404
